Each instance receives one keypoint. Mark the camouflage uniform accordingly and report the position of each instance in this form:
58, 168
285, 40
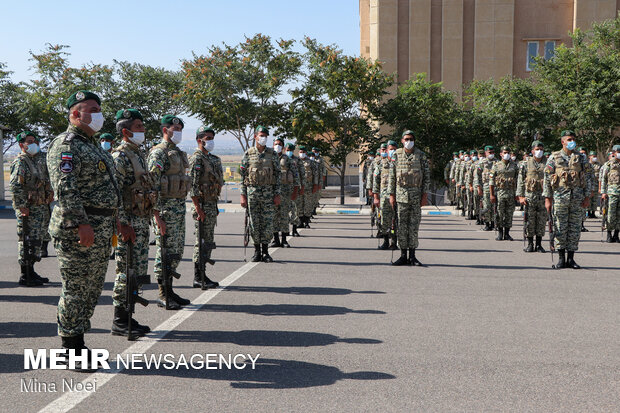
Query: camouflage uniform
530, 186
467, 180
41, 160
380, 186
82, 178
322, 171
369, 184
503, 178
482, 179
260, 174
311, 178
446, 176
297, 205
454, 176
289, 180
594, 201
167, 163
138, 198
610, 185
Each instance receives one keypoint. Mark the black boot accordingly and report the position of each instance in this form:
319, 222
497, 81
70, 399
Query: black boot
257, 257
570, 263
113, 255
562, 260
266, 256
295, 233
487, 227
386, 243
285, 243
615, 237
24, 280
412, 259
393, 243
120, 324
539, 246
403, 258
507, 236
44, 253
530, 245
610, 238
198, 279
592, 214
181, 301
161, 300
276, 240
76, 343
583, 228
492, 225
306, 222
500, 234
463, 212
152, 242
37, 276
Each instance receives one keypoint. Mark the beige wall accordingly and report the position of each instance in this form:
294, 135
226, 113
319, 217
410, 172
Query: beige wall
452, 44
493, 38
420, 37
588, 11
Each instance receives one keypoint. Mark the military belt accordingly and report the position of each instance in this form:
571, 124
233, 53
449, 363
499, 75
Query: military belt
103, 212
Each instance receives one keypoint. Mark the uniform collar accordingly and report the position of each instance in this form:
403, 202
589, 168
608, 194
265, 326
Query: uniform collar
74, 129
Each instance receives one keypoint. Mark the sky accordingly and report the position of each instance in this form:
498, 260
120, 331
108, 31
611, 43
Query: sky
162, 33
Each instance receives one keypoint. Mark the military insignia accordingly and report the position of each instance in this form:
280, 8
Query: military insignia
127, 114
175, 121
79, 95
197, 167
101, 166
66, 166
66, 156
159, 165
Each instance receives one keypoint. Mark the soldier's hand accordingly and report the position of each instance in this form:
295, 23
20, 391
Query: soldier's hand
548, 204
24, 211
585, 203
522, 200
454, 181
424, 200
161, 225
315, 188
604, 197
276, 200
376, 201
201, 214
244, 201
86, 234
127, 233
493, 199
393, 200
479, 191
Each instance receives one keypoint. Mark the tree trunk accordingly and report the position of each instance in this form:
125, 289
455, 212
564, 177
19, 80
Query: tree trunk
342, 184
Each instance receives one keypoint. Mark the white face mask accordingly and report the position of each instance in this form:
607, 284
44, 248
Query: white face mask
262, 140
303, 155
491, 156
514, 158
277, 148
617, 155
474, 158
209, 145
506, 156
177, 137
137, 138
32, 149
538, 153
408, 145
289, 154
466, 159
105, 145
595, 159
391, 153
96, 121
370, 158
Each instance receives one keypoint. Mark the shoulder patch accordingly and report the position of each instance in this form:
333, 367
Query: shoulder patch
69, 137
159, 165
66, 156
66, 166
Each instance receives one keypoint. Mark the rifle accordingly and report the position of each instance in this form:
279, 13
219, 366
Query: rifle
132, 290
604, 212
166, 268
551, 236
204, 254
246, 232
29, 246
525, 219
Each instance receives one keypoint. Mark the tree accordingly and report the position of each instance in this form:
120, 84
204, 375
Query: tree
236, 88
334, 107
12, 107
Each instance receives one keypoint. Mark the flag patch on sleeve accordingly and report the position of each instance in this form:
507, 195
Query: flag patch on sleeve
66, 156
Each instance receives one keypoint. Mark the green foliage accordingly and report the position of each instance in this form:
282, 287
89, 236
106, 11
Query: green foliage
13, 113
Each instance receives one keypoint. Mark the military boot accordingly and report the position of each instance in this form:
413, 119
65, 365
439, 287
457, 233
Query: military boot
161, 300
530, 245
120, 324
23, 278
610, 238
257, 257
76, 343
307, 222
615, 237
592, 214
181, 301
487, 227
198, 279
412, 259
285, 243
507, 236
266, 256
539, 246
393, 243
295, 233
403, 258
500, 234
44, 253
570, 263
463, 212
44, 280
386, 243
276, 240
583, 228
562, 260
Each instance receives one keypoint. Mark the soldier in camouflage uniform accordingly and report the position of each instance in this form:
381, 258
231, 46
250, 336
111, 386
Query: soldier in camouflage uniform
382, 153
529, 191
477, 196
567, 188
453, 178
31, 196
446, 178
468, 183
502, 185
481, 183
297, 207
289, 191
207, 180
82, 225
610, 192
381, 192
312, 185
167, 163
596, 171
322, 169
41, 160
260, 192
138, 198
460, 181
409, 180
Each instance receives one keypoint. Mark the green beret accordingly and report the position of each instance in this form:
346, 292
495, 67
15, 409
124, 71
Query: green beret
279, 139
581, 148
593, 153
81, 96
455, 153
392, 143
204, 129
302, 147
262, 129
461, 151
314, 148
384, 146
616, 148
407, 132
547, 153
106, 137
506, 148
473, 152
537, 143
23, 135
480, 150
290, 146
567, 132
489, 148
378, 153
172, 120
125, 114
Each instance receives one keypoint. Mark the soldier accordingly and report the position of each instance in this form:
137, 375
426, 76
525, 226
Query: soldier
502, 185
453, 173
289, 181
596, 171
610, 192
567, 188
529, 191
584, 152
207, 180
31, 196
260, 191
312, 185
106, 140
138, 198
381, 192
167, 163
477, 196
446, 178
82, 177
322, 169
409, 180
297, 211
468, 181
460, 180
481, 182
41, 160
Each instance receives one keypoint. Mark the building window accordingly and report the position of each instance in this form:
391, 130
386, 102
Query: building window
549, 49
532, 53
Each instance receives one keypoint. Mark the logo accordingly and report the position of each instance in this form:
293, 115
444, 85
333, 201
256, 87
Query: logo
127, 114
102, 166
66, 166
175, 121
79, 95
66, 156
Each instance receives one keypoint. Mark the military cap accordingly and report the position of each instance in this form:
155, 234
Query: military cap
593, 153
314, 148
489, 148
378, 153
279, 139
261, 129
455, 153
407, 132
125, 114
172, 120
23, 135
506, 148
81, 96
537, 143
547, 153
616, 148
480, 150
392, 143
204, 129
384, 146
473, 152
567, 132
461, 151
290, 146
302, 147
106, 137
581, 148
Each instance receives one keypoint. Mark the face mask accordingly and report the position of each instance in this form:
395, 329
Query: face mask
384, 154
491, 156
262, 140
289, 154
137, 138
106, 146
456, 158
571, 145
408, 145
506, 156
303, 155
514, 158
316, 154
538, 153
466, 159
209, 145
32, 149
595, 159
277, 148
177, 137
392, 153
617, 155
474, 158
370, 158
96, 121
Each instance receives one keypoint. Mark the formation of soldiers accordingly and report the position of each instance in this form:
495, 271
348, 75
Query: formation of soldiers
109, 198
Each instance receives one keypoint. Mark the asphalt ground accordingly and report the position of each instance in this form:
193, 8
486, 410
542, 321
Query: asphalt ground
482, 327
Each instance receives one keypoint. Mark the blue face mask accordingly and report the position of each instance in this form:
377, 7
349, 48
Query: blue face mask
571, 145
384, 154
289, 154
106, 146
392, 153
